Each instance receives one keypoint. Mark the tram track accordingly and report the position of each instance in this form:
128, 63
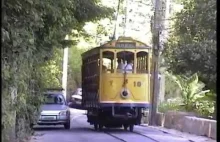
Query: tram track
157, 140
146, 136
112, 135
126, 136
129, 137
165, 132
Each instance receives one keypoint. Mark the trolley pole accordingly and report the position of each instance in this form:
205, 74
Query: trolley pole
65, 70
156, 54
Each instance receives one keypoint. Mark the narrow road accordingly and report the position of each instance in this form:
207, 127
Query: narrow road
81, 131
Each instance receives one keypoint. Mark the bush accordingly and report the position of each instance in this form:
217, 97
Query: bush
173, 105
204, 108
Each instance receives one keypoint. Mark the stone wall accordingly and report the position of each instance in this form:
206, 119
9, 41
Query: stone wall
187, 122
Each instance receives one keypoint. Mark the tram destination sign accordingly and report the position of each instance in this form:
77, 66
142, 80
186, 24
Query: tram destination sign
125, 45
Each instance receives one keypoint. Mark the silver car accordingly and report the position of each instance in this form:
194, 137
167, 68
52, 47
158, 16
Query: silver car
55, 110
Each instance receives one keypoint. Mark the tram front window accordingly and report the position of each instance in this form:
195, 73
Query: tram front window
125, 62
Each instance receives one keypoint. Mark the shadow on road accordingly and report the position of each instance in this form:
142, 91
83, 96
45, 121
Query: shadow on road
62, 129
49, 128
81, 130
76, 106
115, 130
78, 129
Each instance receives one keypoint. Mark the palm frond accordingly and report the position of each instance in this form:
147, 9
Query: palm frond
176, 79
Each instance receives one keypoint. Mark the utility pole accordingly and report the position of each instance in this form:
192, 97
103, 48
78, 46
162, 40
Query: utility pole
65, 69
156, 54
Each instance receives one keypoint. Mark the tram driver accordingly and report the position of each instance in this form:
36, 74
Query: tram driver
129, 67
121, 65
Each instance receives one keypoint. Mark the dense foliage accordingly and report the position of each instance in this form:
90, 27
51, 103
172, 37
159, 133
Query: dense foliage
32, 33
193, 97
171, 89
192, 45
74, 70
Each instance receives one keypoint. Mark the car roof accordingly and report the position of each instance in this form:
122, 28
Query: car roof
53, 92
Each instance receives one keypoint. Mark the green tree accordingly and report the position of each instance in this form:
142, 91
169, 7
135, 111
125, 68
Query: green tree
192, 45
31, 33
74, 70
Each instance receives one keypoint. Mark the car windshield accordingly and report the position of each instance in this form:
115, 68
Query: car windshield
54, 99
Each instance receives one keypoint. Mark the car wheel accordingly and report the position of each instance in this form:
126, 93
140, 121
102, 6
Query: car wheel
125, 127
67, 125
131, 128
100, 127
96, 126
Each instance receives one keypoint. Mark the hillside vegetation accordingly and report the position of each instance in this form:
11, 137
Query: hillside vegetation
33, 33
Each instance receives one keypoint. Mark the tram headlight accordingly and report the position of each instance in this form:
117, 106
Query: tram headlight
125, 93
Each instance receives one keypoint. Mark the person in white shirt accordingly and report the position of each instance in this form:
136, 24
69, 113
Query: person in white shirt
129, 67
121, 65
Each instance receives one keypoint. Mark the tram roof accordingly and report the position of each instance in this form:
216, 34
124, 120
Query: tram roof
120, 43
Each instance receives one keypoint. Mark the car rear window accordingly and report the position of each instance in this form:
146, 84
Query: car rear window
54, 99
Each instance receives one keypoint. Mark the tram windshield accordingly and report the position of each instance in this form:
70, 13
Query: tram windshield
124, 61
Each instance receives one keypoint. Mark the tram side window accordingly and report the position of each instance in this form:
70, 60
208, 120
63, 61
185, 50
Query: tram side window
108, 62
94, 65
125, 62
91, 66
142, 62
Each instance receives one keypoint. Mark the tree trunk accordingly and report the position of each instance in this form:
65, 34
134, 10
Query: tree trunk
13, 113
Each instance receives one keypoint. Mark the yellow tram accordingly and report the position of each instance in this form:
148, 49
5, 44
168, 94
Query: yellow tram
116, 83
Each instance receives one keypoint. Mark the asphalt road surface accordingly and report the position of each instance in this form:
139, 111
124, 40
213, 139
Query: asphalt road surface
81, 131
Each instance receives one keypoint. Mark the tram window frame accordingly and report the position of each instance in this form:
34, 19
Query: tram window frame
126, 56
142, 65
106, 54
